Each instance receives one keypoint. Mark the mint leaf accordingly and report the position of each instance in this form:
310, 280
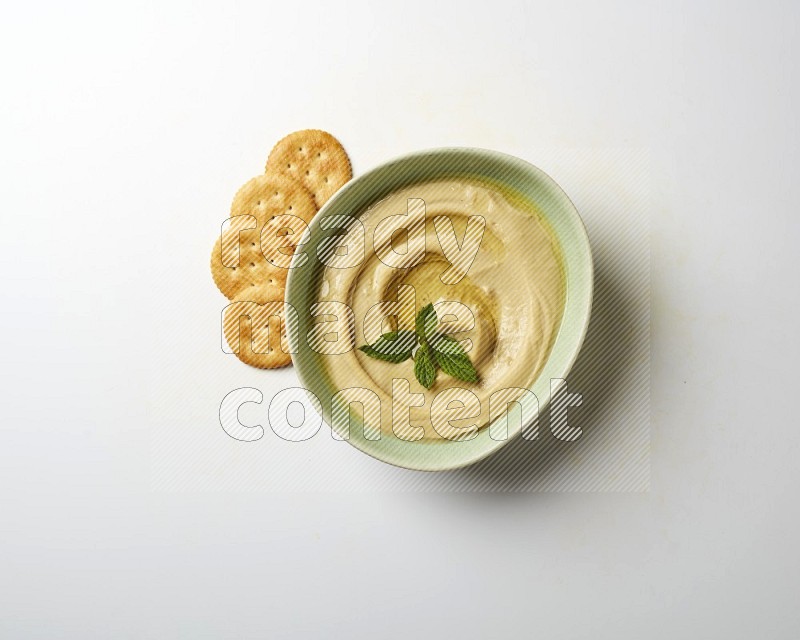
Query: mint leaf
394, 346
426, 321
457, 366
424, 369
442, 343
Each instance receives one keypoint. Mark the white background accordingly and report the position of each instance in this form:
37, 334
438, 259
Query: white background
124, 131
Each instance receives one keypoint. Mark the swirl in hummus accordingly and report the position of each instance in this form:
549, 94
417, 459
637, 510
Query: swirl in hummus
503, 301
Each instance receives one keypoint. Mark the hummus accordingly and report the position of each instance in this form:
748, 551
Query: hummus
504, 306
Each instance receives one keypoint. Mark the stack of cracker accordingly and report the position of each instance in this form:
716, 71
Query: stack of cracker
250, 260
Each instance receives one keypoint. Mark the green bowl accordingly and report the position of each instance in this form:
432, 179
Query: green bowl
510, 173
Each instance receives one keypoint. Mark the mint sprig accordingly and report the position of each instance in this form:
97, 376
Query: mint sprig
432, 349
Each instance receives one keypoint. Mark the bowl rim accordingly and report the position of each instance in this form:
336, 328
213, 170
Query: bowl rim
293, 288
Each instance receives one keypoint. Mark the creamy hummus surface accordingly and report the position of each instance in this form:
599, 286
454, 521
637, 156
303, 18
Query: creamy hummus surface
504, 306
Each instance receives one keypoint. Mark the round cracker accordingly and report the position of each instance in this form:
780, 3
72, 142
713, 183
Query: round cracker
270, 195
251, 326
274, 201
253, 269
315, 158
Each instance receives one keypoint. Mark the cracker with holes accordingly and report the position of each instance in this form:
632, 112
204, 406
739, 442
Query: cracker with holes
255, 327
249, 270
315, 158
268, 216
